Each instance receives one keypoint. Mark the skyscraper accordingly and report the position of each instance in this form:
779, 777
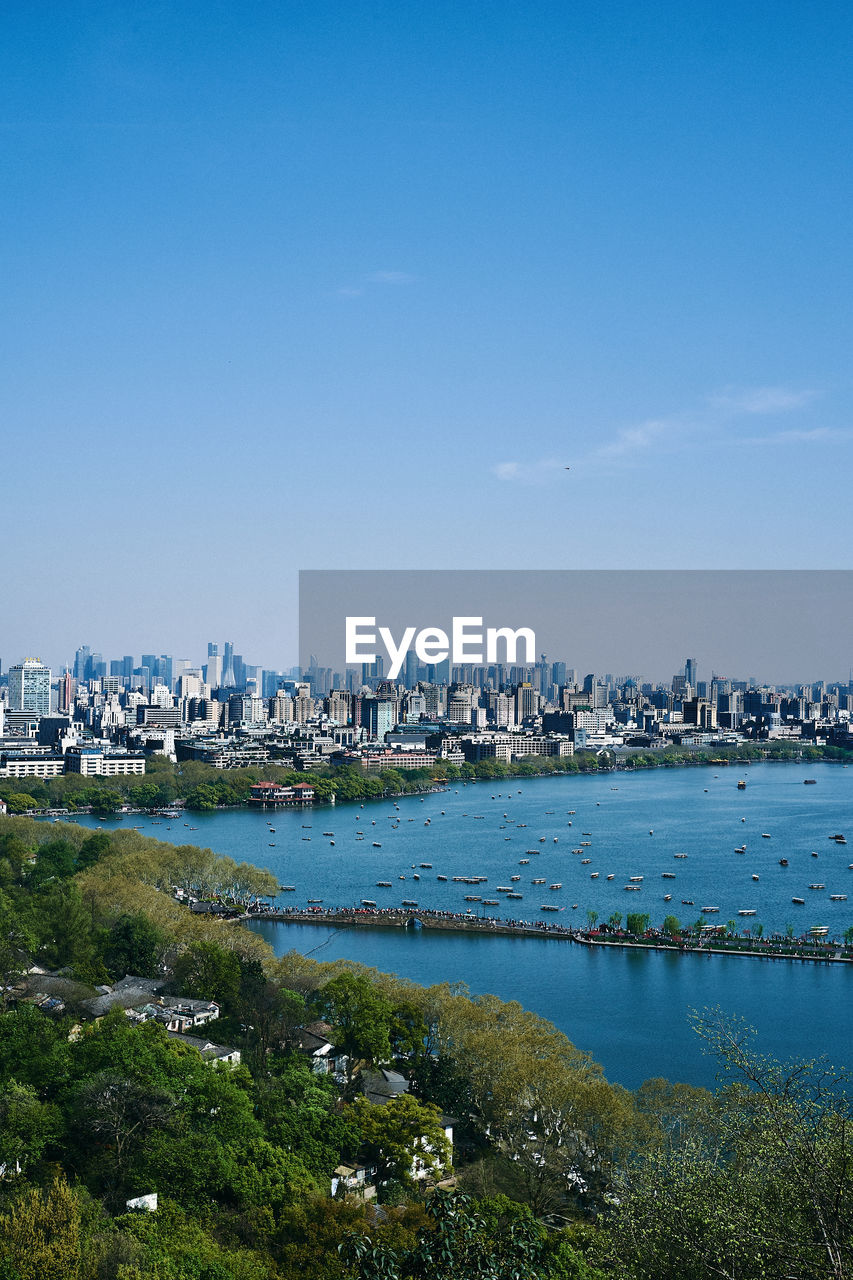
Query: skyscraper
29, 687
229, 679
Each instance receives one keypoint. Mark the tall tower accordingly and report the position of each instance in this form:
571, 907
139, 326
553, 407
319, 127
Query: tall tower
229, 679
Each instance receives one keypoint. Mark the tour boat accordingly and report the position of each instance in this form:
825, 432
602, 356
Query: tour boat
817, 886
765, 835
687, 902
710, 911
427, 866
746, 913
635, 879
515, 895
314, 900
555, 886
409, 902
515, 877
287, 888
383, 884
635, 887
799, 901
537, 881
667, 875
548, 906
838, 897
368, 902
679, 855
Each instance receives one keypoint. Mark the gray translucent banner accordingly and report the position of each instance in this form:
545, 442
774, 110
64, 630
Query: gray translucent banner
778, 626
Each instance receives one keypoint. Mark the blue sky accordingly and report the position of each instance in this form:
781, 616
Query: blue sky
348, 285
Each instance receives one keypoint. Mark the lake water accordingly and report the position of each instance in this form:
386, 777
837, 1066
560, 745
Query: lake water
628, 1009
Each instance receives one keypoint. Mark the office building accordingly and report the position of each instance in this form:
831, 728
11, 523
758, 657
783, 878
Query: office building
29, 687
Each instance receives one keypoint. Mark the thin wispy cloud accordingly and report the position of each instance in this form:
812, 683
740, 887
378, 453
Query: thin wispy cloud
815, 435
760, 400
374, 278
712, 421
535, 472
390, 277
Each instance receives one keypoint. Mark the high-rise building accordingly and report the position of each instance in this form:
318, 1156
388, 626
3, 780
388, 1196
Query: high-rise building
29, 687
81, 662
228, 677
410, 678
690, 672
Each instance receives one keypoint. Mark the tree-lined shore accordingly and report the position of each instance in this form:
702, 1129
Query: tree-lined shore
556, 1172
203, 787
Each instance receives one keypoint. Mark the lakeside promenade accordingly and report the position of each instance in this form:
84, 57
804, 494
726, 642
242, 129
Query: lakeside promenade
774, 948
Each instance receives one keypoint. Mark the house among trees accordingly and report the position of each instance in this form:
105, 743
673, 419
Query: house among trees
315, 1043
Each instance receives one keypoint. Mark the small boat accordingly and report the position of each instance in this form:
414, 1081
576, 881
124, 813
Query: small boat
754, 876
746, 913
555, 886
612, 876
667, 875
383, 884
710, 911
271, 845
635, 887
809, 782
515, 895
306, 838
427, 866
523, 862
814, 855
679, 855
838, 897
490, 902
515, 877
687, 902
783, 862
328, 833
470, 897
409, 902
272, 831
765, 835
667, 897
441, 877
817, 886
287, 888
635, 879
503, 888
376, 844
799, 901
314, 900
416, 876
593, 875
741, 786
368, 902
585, 862
537, 881
332, 843
548, 906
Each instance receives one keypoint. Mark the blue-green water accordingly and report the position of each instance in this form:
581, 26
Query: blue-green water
630, 1010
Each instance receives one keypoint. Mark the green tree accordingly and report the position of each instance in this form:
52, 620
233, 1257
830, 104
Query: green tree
672, 926
41, 1231
361, 1019
637, 923
207, 971
404, 1138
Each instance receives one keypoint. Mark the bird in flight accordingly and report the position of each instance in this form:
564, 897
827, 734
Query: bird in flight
567, 468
